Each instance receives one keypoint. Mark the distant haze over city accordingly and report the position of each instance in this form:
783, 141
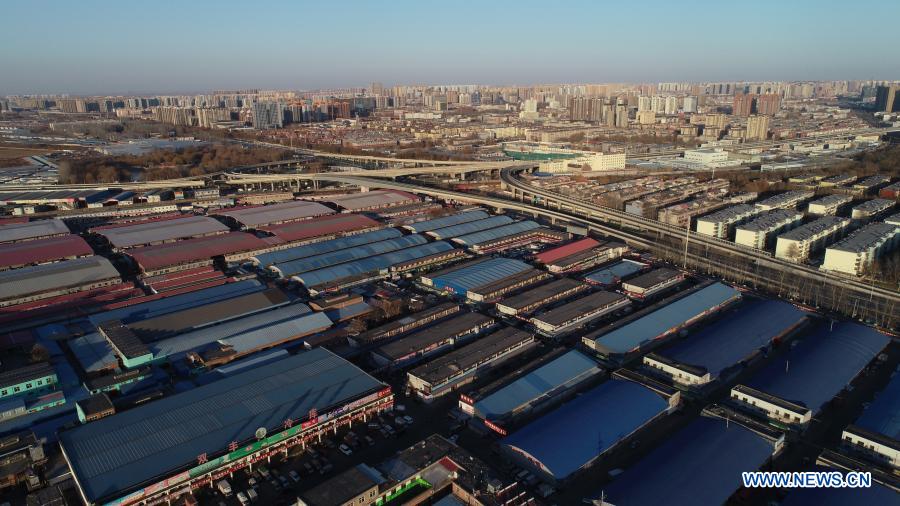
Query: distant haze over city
102, 47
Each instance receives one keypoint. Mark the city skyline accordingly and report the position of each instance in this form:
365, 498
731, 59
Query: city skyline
131, 51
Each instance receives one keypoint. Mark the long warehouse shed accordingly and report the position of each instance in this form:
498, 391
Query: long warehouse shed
302, 265
320, 248
662, 322
421, 227
473, 275
273, 214
373, 264
151, 451
568, 439
469, 227
40, 251
159, 231
743, 332
531, 391
464, 365
322, 228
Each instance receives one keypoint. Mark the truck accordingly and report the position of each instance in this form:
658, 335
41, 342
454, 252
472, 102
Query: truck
224, 487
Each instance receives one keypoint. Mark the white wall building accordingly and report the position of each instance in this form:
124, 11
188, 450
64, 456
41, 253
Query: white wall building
798, 244
720, 223
854, 254
757, 233
828, 205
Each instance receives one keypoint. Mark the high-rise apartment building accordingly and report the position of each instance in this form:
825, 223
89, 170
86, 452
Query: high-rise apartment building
689, 104
757, 128
671, 105
886, 98
267, 115
644, 104
768, 104
743, 104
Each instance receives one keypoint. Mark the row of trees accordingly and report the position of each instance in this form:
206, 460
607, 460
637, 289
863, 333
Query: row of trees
165, 164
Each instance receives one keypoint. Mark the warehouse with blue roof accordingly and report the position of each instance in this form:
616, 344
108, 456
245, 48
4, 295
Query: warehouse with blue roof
321, 248
575, 435
446, 221
644, 330
371, 265
735, 337
876, 433
614, 273
301, 265
152, 451
700, 464
549, 382
461, 280
469, 228
495, 233
798, 384
877, 494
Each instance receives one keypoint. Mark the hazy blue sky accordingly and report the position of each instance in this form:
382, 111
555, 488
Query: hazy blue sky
92, 46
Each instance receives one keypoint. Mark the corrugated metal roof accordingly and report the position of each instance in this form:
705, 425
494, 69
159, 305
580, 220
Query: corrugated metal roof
700, 464
32, 230
482, 273
496, 233
615, 272
371, 199
302, 265
271, 335
883, 414
642, 330
822, 365
446, 221
735, 335
43, 250
208, 314
434, 334
371, 264
252, 217
319, 248
68, 273
554, 254
174, 303
276, 324
117, 453
877, 494
470, 227
555, 376
158, 231
325, 225
93, 352
571, 436
191, 250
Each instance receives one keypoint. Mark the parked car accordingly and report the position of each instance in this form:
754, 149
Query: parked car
294, 476
251, 494
243, 499
369, 440
408, 419
345, 449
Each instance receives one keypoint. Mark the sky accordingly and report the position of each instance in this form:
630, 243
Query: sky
194, 46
